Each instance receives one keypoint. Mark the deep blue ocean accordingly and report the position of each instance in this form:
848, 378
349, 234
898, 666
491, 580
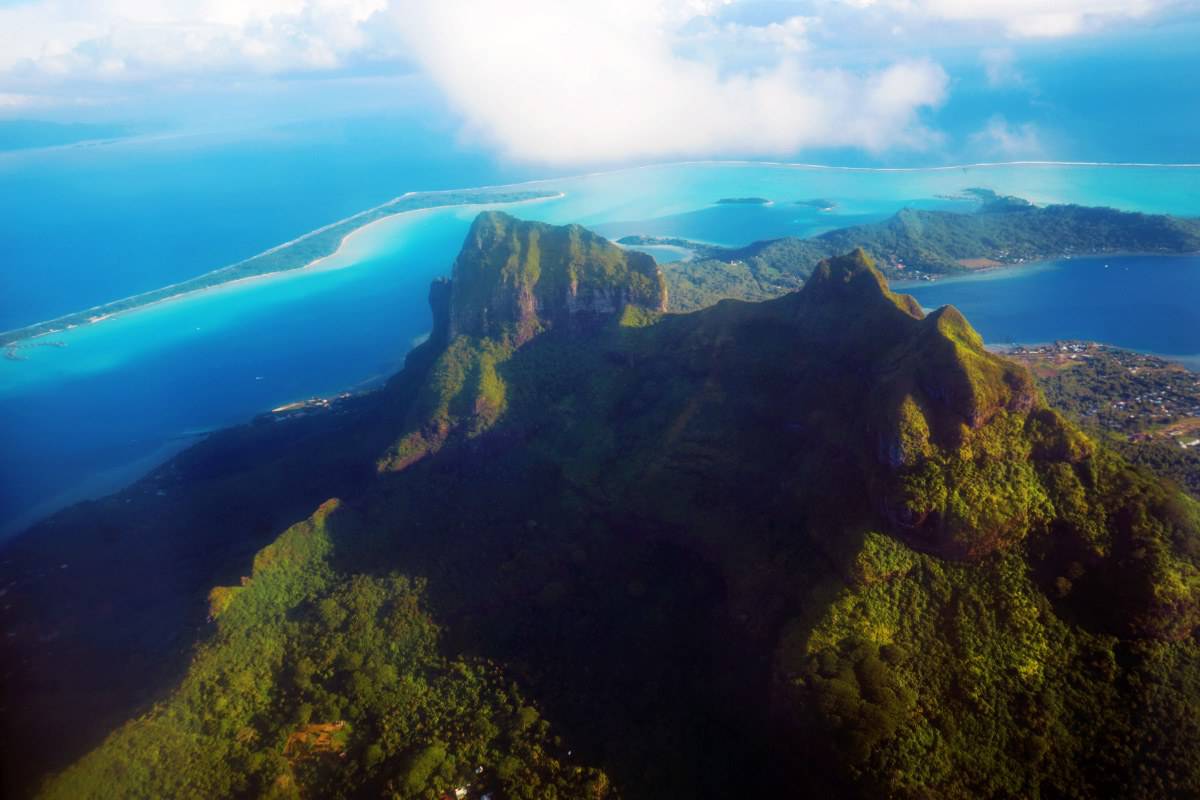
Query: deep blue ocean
1149, 303
84, 225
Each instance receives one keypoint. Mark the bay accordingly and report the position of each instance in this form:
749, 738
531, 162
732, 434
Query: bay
1147, 303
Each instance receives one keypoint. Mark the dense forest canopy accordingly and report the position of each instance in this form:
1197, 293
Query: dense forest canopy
824, 543
923, 243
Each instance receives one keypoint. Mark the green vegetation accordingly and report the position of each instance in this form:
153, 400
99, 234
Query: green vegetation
917, 243
961, 681
657, 240
744, 201
1146, 408
317, 684
464, 395
819, 545
1008, 231
515, 278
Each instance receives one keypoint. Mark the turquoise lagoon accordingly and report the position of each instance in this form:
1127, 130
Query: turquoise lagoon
117, 397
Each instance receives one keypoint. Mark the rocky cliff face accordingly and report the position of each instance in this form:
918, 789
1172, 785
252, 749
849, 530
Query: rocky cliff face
514, 278
439, 305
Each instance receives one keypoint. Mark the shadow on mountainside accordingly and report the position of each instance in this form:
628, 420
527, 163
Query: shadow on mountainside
795, 546
105, 601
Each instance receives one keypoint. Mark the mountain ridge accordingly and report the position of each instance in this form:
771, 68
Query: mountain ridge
823, 542
917, 243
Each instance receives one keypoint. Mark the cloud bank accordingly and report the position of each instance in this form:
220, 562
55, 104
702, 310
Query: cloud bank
999, 67
1001, 139
1022, 18
563, 82
154, 39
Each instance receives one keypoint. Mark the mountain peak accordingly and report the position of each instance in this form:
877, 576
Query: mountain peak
854, 278
846, 303
514, 278
941, 410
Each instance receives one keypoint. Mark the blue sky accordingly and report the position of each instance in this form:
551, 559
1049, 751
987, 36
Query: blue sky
567, 83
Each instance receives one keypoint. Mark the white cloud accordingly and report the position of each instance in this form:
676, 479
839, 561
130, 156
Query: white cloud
1039, 18
789, 35
24, 104
1000, 68
1024, 18
9, 100
1002, 139
543, 80
560, 81
138, 39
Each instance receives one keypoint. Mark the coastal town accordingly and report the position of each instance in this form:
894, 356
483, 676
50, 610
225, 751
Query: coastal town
305, 408
1142, 396
1147, 407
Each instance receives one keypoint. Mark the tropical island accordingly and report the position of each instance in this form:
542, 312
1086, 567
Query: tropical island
819, 203
745, 201
296, 254
824, 544
658, 241
920, 244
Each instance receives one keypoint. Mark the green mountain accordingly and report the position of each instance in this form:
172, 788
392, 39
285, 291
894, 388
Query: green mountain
823, 543
512, 281
919, 242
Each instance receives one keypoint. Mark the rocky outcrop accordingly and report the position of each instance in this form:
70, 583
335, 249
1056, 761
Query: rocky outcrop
515, 278
511, 281
439, 305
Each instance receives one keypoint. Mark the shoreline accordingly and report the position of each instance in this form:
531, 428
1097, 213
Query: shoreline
15, 336
1189, 361
685, 253
1003, 269
13, 339
941, 168
143, 137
